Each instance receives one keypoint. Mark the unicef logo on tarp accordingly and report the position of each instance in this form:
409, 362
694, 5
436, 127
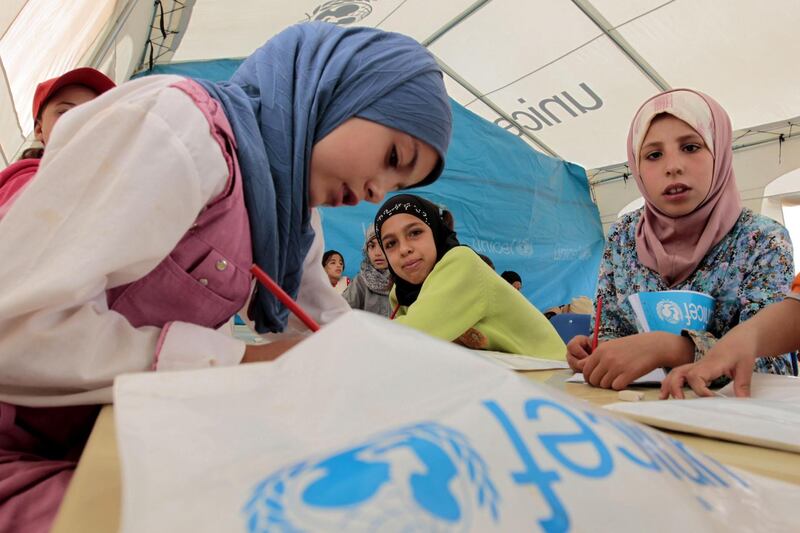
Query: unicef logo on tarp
523, 248
425, 477
669, 311
341, 12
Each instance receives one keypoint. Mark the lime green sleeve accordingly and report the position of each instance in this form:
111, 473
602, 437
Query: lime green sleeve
453, 297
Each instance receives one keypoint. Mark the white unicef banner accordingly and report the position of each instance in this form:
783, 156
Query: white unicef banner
369, 426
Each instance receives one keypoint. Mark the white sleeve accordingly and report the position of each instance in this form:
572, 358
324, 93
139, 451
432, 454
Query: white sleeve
316, 295
122, 180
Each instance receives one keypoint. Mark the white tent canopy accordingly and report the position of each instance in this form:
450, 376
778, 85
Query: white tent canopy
566, 76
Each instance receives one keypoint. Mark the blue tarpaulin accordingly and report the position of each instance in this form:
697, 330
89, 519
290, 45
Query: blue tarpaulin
528, 212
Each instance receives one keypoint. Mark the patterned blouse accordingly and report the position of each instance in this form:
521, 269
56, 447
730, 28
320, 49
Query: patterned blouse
750, 268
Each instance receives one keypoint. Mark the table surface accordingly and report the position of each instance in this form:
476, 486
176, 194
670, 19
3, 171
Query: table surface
92, 501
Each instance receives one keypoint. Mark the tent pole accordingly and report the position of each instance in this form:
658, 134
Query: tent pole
454, 22
473, 90
477, 94
611, 32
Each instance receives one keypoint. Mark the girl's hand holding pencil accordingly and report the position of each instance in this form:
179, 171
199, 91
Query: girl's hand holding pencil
616, 363
579, 348
255, 353
284, 298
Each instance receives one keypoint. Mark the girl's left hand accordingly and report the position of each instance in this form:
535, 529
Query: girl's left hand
618, 362
700, 375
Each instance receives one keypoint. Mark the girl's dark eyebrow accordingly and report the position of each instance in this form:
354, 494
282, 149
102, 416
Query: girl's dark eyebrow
651, 144
402, 230
413, 225
690, 136
681, 139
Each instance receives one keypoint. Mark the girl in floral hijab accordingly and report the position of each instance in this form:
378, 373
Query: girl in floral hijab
692, 234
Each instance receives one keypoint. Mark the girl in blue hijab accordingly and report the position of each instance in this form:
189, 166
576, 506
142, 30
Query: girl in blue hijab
368, 114
135, 241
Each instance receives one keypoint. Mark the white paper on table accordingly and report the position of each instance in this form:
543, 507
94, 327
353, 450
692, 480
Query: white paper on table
767, 423
369, 425
521, 362
769, 387
654, 377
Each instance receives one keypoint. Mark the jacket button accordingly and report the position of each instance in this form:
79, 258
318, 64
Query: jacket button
203, 281
222, 265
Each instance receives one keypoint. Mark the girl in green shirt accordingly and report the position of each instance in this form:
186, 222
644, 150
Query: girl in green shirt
446, 290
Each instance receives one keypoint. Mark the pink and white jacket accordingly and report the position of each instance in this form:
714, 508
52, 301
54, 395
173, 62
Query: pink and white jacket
131, 263
13, 180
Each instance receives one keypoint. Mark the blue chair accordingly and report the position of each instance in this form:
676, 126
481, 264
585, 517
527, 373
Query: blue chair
570, 324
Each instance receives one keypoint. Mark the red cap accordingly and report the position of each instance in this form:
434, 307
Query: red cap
88, 77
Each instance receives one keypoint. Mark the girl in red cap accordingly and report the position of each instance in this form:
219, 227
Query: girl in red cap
52, 99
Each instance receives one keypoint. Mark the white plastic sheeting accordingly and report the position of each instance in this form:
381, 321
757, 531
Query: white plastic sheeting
347, 432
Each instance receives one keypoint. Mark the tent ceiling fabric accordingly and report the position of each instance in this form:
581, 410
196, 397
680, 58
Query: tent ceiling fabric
566, 75
40, 39
64, 36
564, 71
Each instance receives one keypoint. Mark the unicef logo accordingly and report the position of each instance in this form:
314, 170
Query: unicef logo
523, 248
668, 311
425, 477
341, 12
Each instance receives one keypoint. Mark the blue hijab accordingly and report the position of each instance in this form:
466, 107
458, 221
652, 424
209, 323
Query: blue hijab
292, 92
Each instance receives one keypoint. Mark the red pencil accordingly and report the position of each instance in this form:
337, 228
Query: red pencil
281, 295
597, 315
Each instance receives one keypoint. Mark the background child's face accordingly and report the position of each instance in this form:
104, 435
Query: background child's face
363, 160
62, 101
375, 254
676, 166
334, 266
409, 247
